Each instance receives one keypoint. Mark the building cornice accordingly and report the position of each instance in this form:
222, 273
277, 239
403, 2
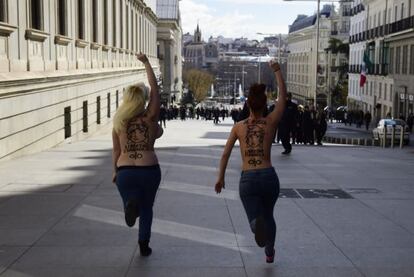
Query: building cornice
12, 84
6, 29
36, 35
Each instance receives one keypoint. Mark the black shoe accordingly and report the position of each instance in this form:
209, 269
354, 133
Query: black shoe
131, 212
144, 248
260, 231
286, 152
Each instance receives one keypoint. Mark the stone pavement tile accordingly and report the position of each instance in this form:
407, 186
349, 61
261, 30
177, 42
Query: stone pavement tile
349, 222
20, 237
398, 211
27, 221
70, 256
323, 255
43, 271
382, 261
276, 270
191, 257
187, 272
212, 217
8, 254
42, 204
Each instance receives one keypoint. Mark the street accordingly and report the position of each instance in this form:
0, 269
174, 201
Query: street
343, 211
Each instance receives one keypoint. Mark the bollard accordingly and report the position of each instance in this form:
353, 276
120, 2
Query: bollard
392, 136
402, 137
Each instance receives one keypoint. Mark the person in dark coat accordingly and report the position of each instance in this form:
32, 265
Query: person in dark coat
308, 126
287, 124
367, 119
410, 121
320, 125
163, 116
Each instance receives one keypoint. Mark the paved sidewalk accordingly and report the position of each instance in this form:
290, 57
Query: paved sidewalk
348, 212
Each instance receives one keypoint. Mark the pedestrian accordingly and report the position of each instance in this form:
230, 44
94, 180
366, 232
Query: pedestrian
137, 173
163, 116
308, 126
287, 124
259, 183
320, 126
367, 119
410, 121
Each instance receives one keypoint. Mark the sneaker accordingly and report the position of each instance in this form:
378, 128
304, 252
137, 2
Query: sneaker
286, 152
270, 258
260, 232
131, 212
144, 248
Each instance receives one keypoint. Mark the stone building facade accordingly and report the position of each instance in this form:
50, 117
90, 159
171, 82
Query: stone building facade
383, 29
64, 65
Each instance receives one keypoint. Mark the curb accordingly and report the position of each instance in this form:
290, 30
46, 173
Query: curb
352, 141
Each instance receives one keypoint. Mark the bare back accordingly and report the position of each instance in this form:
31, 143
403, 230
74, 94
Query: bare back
137, 142
255, 137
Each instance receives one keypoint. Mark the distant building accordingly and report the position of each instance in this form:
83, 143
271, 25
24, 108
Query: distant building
306, 76
212, 55
64, 66
194, 52
383, 30
169, 36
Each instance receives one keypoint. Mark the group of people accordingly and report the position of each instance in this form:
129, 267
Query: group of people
137, 174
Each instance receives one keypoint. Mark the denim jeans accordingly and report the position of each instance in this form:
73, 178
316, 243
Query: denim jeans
259, 190
140, 183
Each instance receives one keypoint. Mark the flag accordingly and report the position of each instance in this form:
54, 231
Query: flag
366, 64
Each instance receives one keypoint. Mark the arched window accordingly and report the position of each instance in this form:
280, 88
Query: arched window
61, 20
81, 19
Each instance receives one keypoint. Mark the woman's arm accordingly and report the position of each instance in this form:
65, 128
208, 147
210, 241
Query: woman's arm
280, 105
160, 131
116, 152
153, 110
225, 159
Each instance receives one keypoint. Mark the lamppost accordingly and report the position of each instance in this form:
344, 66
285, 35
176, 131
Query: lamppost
317, 36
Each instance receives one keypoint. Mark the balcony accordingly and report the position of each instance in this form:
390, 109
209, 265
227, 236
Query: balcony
401, 25
334, 33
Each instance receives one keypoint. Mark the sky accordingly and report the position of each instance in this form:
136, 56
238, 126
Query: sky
242, 18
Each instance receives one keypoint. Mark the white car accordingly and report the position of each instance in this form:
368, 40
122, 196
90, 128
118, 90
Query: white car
390, 124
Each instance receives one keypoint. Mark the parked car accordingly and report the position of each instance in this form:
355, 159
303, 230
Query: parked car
378, 132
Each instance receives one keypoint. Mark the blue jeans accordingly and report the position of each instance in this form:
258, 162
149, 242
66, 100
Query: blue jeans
259, 190
140, 183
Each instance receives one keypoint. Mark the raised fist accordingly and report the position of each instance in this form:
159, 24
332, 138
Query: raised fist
142, 57
274, 65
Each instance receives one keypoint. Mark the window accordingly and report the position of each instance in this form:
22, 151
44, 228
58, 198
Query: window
402, 10
404, 60
61, 13
67, 122
391, 61
391, 92
412, 60
3, 10
36, 14
117, 99
94, 20
397, 60
121, 30
98, 110
127, 26
395, 13
105, 22
81, 19
385, 91
108, 105
85, 116
114, 23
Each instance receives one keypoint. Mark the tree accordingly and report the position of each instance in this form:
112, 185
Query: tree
199, 82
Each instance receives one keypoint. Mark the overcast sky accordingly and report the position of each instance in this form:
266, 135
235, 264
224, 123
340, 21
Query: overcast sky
241, 18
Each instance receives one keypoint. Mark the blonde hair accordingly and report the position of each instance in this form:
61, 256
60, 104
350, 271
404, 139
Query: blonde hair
133, 104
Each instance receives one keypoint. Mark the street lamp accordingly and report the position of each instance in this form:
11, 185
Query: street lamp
317, 36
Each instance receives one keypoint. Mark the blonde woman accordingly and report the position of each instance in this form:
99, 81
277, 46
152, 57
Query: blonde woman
136, 170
